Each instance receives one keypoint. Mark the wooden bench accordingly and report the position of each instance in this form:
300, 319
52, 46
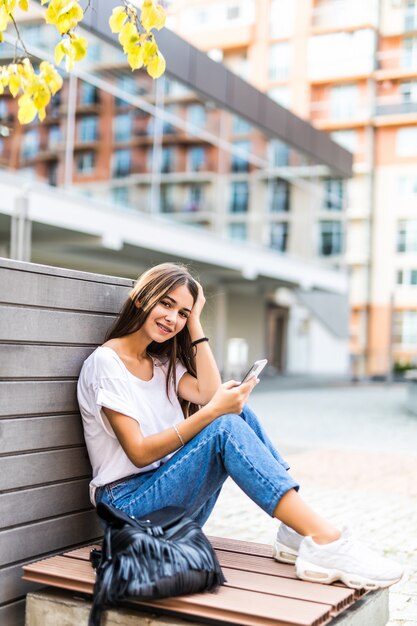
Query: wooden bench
50, 320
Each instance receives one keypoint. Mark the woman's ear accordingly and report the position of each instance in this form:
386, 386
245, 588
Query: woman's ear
138, 304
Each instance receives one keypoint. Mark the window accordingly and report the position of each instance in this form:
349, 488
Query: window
279, 61
122, 162
279, 236
120, 196
196, 115
279, 153
280, 197
88, 93
341, 54
240, 125
409, 53
238, 231
400, 277
407, 236
232, 12
87, 129
408, 91
344, 101
330, 243
405, 329
3, 109
410, 16
129, 85
407, 277
123, 128
167, 199
239, 162
197, 158
333, 194
167, 163
31, 144
54, 137
240, 197
53, 174
346, 138
282, 18
86, 163
195, 201
406, 141
407, 185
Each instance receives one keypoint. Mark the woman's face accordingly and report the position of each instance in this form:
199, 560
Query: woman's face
170, 315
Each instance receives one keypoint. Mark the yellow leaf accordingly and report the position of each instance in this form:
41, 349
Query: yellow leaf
117, 19
27, 110
79, 46
4, 17
42, 114
128, 36
156, 66
152, 15
135, 58
60, 52
24, 5
149, 50
41, 95
44, 2
51, 77
14, 84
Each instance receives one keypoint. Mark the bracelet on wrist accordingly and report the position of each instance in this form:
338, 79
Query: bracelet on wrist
197, 341
179, 435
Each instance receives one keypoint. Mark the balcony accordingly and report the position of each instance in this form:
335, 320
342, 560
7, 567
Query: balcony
344, 14
397, 62
327, 114
396, 105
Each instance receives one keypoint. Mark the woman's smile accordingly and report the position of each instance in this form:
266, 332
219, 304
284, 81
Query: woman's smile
164, 329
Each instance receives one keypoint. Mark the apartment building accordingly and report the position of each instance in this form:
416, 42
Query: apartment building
349, 67
176, 154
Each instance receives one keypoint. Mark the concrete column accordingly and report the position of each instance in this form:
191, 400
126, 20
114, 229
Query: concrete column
21, 231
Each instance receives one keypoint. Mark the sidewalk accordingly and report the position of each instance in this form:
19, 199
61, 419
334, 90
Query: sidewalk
353, 449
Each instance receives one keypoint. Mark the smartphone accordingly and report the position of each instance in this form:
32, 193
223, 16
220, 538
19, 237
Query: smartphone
255, 370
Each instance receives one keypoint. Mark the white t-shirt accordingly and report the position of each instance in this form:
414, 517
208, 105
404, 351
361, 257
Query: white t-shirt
105, 381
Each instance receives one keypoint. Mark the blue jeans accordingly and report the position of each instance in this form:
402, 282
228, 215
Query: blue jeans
232, 445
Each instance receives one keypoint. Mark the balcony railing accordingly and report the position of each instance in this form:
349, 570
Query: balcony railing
327, 111
400, 59
396, 105
345, 14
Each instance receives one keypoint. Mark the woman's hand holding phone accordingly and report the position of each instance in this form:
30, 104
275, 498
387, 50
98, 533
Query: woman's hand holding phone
231, 397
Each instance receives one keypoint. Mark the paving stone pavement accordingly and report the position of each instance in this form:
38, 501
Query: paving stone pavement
354, 451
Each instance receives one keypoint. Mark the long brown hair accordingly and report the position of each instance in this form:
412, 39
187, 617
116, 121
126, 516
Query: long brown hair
149, 289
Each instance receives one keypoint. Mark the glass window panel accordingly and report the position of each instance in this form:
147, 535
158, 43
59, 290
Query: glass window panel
333, 194
240, 197
168, 156
88, 93
330, 243
120, 196
279, 236
54, 137
413, 277
196, 115
87, 129
279, 61
238, 231
167, 199
197, 158
123, 128
407, 236
30, 144
86, 163
280, 196
195, 198
122, 162
406, 141
400, 277
239, 162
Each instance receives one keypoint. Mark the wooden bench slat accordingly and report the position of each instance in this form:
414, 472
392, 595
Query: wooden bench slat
43, 467
78, 575
22, 324
38, 289
25, 542
28, 505
38, 397
22, 434
42, 361
250, 572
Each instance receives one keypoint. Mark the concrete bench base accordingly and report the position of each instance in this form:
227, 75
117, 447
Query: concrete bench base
51, 607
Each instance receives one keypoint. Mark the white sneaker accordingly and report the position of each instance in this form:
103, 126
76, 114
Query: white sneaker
347, 560
287, 543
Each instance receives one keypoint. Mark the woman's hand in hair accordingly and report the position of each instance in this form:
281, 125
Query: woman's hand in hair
231, 397
198, 307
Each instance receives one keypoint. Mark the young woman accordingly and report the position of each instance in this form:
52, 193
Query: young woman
161, 429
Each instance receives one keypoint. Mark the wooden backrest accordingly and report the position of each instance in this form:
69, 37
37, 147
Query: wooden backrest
50, 321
